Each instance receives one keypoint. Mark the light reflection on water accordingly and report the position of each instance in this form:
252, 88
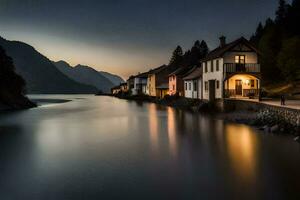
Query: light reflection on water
103, 147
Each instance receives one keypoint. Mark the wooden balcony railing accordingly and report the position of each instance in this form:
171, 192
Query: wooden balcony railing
236, 67
245, 93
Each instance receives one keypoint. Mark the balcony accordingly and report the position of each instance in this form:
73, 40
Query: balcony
237, 67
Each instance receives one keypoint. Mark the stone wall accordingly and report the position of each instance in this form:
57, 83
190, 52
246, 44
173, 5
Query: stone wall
291, 116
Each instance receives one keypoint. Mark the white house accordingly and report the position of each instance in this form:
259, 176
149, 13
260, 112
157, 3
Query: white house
231, 71
193, 84
140, 84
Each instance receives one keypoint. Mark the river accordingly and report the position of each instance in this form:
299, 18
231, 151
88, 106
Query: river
107, 148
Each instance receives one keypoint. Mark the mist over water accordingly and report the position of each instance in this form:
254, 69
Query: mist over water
104, 147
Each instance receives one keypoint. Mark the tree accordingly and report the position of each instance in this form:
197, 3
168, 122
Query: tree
258, 34
269, 46
289, 59
281, 12
11, 84
203, 49
177, 56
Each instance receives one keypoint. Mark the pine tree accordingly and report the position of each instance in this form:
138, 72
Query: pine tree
177, 56
203, 49
281, 12
258, 34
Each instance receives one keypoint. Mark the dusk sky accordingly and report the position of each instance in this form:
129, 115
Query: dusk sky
126, 36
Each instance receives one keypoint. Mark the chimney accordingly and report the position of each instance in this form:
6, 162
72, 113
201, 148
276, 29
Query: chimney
222, 41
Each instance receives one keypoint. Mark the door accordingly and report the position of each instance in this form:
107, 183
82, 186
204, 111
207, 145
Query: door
238, 87
212, 90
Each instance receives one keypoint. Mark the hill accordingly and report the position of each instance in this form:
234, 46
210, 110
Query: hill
87, 75
39, 72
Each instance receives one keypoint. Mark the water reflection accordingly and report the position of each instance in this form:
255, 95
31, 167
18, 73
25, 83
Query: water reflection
242, 144
153, 126
106, 148
172, 131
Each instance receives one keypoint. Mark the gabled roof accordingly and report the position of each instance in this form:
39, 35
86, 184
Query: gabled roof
193, 74
142, 75
220, 51
157, 70
181, 71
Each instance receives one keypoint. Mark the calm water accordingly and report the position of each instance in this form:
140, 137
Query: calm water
104, 148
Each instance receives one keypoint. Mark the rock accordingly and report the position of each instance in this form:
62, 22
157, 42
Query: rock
266, 128
274, 128
297, 139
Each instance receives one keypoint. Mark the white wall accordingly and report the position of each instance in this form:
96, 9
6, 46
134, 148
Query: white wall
215, 75
189, 92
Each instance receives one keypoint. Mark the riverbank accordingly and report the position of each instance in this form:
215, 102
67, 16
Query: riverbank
267, 118
16, 103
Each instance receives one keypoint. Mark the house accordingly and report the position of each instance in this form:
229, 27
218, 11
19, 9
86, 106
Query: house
231, 71
193, 83
124, 87
158, 82
176, 85
130, 84
116, 90
140, 83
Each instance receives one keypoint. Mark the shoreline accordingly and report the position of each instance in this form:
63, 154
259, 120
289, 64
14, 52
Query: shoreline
265, 120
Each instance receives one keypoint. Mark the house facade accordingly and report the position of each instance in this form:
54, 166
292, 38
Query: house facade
140, 84
116, 90
193, 84
124, 87
158, 82
231, 71
176, 85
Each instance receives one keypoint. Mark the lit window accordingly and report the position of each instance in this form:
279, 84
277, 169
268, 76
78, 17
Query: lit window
237, 59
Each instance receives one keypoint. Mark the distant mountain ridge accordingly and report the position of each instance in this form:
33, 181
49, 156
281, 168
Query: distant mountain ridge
103, 81
41, 76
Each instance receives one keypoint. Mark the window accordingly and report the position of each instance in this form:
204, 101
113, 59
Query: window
217, 65
195, 86
190, 86
205, 67
252, 83
206, 86
185, 86
218, 84
239, 59
212, 66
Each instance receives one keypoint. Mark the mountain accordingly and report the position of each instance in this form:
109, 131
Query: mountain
11, 86
84, 74
115, 79
39, 72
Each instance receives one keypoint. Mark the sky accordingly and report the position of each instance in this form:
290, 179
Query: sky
127, 36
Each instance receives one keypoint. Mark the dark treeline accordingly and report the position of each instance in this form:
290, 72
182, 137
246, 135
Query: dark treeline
190, 57
278, 41
12, 85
